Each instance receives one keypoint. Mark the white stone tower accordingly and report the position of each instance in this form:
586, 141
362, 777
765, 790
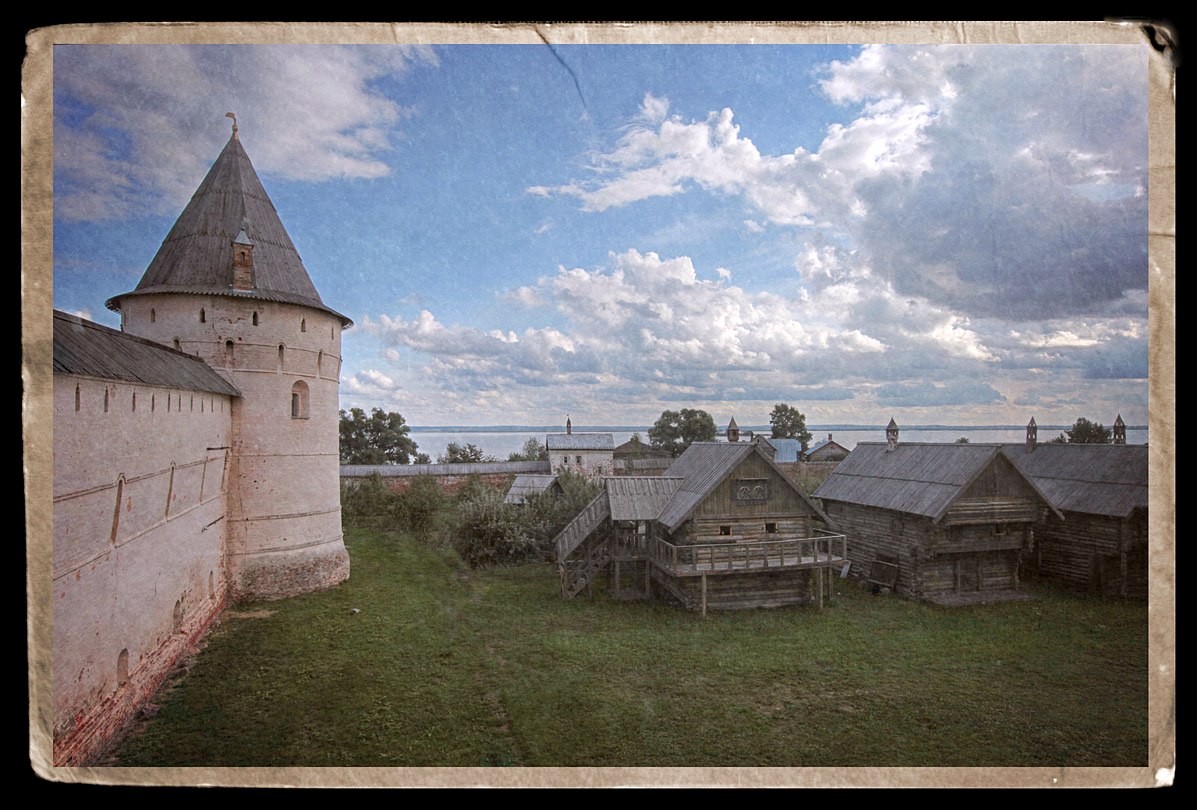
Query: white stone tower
228, 286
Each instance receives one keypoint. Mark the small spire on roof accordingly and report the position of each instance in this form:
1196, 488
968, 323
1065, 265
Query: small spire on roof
234, 117
891, 435
1119, 430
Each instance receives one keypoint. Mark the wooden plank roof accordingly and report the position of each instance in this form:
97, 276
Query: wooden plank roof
523, 486
639, 497
197, 255
916, 478
88, 349
704, 466
1095, 479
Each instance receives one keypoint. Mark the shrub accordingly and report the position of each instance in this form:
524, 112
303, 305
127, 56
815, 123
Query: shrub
491, 532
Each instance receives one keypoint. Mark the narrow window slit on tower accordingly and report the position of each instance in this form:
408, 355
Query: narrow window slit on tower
203, 316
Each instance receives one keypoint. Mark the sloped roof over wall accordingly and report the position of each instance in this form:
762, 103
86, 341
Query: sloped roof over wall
920, 479
639, 497
197, 255
1095, 479
524, 486
580, 441
88, 349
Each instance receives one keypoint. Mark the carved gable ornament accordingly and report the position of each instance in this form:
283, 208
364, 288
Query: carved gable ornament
750, 490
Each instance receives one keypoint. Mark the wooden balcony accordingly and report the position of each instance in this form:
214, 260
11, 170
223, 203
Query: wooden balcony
822, 550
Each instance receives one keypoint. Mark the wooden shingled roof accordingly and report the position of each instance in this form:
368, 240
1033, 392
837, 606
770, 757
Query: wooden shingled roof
703, 467
197, 255
527, 485
916, 478
639, 497
1095, 479
88, 349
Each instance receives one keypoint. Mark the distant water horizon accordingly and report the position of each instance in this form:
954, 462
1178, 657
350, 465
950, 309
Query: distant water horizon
499, 441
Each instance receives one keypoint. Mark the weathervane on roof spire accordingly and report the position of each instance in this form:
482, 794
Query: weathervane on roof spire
234, 117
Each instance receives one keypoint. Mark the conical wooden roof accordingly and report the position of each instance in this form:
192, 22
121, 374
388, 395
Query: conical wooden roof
197, 255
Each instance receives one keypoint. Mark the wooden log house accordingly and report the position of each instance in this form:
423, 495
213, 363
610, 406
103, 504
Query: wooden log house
1100, 543
941, 522
724, 528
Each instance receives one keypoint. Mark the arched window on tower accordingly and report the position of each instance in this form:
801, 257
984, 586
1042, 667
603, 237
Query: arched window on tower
303, 324
153, 315
255, 319
203, 316
299, 400
319, 362
178, 346
228, 353
105, 399
76, 396
281, 352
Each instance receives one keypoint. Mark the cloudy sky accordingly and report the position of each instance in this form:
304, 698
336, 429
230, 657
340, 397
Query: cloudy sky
947, 234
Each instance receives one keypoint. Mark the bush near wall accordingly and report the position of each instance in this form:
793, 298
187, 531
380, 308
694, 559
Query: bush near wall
490, 532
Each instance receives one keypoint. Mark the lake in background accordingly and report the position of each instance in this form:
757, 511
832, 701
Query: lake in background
502, 441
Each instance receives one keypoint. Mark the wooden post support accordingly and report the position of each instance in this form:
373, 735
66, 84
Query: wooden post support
617, 582
704, 596
819, 575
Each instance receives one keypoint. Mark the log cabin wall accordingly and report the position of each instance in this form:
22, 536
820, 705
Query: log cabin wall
884, 533
931, 558
1095, 553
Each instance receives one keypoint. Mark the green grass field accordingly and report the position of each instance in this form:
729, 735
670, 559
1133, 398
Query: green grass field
448, 666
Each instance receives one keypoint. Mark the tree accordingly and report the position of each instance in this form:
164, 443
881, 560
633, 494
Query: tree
462, 454
789, 423
533, 450
1086, 432
381, 438
675, 431
637, 438
421, 458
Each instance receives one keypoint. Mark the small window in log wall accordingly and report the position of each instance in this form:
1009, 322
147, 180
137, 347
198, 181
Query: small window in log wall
771, 528
725, 531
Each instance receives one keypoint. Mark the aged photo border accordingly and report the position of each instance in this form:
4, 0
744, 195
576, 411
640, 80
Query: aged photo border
37, 380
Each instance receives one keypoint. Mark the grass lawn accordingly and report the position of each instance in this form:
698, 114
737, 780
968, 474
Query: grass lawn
448, 666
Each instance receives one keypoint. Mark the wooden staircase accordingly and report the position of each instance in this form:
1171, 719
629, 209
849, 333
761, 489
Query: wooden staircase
580, 571
584, 546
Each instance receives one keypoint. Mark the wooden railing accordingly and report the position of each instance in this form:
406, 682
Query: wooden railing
822, 549
590, 518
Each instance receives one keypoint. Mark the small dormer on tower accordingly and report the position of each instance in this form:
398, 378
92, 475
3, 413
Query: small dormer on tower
891, 436
733, 431
1119, 430
569, 426
243, 259
1032, 435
